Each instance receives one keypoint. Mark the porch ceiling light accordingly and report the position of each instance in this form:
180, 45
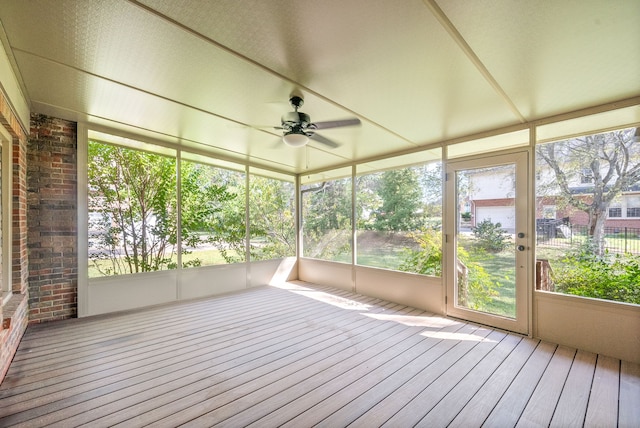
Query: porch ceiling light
295, 139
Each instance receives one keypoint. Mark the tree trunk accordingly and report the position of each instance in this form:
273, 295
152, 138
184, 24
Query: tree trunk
596, 230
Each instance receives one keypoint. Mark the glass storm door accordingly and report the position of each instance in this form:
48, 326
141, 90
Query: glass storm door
487, 241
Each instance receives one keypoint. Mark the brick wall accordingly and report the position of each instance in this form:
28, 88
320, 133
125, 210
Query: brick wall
51, 217
14, 312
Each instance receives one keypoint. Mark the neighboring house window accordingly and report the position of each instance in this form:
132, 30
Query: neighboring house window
586, 177
615, 209
633, 206
615, 212
633, 212
626, 206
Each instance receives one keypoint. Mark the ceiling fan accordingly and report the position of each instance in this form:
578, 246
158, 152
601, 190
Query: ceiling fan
298, 129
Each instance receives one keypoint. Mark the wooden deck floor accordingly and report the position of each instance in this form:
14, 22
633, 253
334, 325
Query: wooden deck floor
301, 356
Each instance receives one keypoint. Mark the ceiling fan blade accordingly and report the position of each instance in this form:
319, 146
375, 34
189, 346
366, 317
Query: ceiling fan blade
264, 127
276, 144
323, 140
335, 123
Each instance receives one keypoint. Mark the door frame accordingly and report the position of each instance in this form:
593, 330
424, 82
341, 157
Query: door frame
521, 324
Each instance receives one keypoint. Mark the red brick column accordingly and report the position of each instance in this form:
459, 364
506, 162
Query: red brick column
52, 219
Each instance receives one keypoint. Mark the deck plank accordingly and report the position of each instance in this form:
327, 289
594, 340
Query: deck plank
542, 404
161, 355
447, 409
298, 355
602, 410
483, 402
357, 381
162, 401
96, 395
194, 405
629, 410
512, 403
373, 389
422, 402
572, 405
154, 348
333, 373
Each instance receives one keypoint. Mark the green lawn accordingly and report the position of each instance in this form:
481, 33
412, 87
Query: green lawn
501, 269
207, 257
387, 258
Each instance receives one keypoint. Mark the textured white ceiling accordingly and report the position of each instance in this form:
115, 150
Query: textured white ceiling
213, 75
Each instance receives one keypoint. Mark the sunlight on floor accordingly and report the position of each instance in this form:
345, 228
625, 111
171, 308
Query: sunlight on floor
415, 320
452, 335
321, 296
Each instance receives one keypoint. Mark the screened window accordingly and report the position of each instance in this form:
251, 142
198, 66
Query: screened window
326, 219
132, 210
590, 257
212, 215
272, 217
399, 219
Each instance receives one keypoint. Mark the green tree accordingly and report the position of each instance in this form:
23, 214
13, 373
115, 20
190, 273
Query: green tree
431, 179
491, 236
326, 213
271, 218
133, 209
132, 198
368, 202
213, 211
401, 201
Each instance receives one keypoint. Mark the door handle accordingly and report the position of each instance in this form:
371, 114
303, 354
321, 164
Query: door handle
521, 248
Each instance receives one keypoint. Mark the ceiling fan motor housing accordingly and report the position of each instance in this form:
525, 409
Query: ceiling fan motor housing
295, 119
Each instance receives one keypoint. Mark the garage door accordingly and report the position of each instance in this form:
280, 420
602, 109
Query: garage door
503, 215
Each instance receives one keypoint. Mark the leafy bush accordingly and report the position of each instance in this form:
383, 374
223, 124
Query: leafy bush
490, 236
466, 216
611, 277
476, 287
426, 260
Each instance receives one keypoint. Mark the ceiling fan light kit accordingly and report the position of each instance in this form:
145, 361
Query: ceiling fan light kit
295, 140
298, 128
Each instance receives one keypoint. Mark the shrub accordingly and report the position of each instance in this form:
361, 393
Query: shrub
611, 277
476, 290
427, 259
490, 236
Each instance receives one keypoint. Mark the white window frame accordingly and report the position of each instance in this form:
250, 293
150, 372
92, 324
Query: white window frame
6, 143
623, 205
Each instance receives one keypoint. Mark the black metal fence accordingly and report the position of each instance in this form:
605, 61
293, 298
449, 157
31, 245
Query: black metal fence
562, 234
